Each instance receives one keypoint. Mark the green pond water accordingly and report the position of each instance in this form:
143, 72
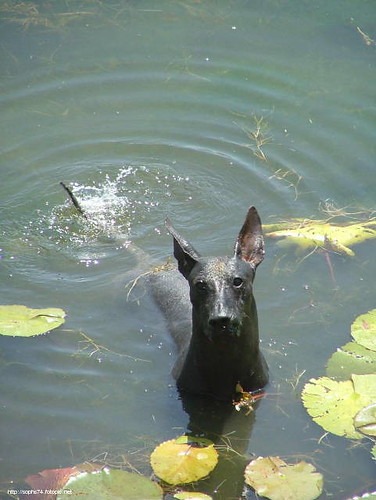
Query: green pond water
193, 110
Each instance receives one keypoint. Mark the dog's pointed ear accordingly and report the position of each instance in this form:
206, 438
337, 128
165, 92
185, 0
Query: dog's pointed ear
184, 252
249, 245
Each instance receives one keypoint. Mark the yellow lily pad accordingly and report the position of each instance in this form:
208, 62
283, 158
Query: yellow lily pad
273, 478
191, 495
333, 405
309, 234
22, 321
365, 385
183, 460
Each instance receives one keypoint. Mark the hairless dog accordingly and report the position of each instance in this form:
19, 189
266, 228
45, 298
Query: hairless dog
211, 313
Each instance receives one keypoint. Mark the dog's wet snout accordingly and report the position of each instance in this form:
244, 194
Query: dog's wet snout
224, 325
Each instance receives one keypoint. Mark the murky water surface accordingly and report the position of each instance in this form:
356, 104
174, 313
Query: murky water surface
193, 110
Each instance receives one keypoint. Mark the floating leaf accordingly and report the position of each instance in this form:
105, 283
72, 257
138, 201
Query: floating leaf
351, 358
273, 478
363, 330
365, 420
112, 484
49, 479
310, 234
333, 405
247, 400
191, 495
184, 460
365, 385
22, 321
54, 479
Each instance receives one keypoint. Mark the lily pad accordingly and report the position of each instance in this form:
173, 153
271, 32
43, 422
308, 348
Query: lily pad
191, 495
365, 385
273, 478
48, 480
184, 460
22, 321
363, 330
333, 405
365, 420
111, 484
310, 234
351, 358
54, 479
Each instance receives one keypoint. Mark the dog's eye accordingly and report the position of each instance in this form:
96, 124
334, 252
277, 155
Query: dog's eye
201, 285
237, 282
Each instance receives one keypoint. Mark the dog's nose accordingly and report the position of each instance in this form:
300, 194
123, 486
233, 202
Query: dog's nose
223, 325
220, 322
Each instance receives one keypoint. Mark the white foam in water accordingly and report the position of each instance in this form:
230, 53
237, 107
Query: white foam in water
114, 205
106, 204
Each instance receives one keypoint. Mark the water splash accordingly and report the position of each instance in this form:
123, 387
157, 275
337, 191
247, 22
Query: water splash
114, 204
107, 206
122, 204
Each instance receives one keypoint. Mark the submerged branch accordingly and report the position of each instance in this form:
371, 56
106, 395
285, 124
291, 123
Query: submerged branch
100, 348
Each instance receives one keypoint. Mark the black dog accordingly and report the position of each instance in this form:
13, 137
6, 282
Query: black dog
211, 313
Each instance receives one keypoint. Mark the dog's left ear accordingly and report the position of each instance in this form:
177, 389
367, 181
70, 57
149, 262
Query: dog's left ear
249, 245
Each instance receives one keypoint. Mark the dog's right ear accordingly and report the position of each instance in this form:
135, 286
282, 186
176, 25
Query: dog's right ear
184, 252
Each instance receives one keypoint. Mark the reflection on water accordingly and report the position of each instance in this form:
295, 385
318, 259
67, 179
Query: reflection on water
194, 110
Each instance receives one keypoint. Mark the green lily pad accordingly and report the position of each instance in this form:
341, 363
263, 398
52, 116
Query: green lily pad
273, 478
351, 358
365, 420
111, 484
363, 330
22, 321
333, 405
183, 460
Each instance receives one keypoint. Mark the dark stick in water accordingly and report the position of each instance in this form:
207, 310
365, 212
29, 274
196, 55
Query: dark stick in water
73, 199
